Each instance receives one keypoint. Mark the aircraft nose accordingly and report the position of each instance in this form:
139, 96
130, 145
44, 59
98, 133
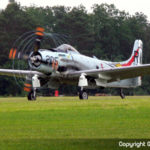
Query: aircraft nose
44, 61
35, 59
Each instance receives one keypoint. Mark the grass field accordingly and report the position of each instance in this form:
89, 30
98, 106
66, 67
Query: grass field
68, 123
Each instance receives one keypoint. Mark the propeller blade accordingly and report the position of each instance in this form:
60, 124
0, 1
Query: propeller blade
55, 65
28, 84
39, 33
12, 53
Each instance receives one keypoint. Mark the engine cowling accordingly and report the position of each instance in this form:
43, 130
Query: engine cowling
44, 61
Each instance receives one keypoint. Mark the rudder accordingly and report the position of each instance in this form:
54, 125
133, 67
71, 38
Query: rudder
136, 57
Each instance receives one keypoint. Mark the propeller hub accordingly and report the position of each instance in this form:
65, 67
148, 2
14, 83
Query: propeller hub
35, 59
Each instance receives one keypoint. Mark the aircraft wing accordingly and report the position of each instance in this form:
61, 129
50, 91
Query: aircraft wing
19, 73
115, 74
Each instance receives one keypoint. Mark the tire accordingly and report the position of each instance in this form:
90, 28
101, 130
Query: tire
31, 96
83, 95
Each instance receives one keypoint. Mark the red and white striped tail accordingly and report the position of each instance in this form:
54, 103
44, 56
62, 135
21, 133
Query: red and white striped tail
136, 57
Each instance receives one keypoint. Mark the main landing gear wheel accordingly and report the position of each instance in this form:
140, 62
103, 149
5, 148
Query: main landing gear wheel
32, 96
83, 95
122, 94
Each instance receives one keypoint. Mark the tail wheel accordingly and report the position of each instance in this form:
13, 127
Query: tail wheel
122, 94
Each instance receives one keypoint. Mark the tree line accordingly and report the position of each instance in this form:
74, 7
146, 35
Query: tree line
106, 32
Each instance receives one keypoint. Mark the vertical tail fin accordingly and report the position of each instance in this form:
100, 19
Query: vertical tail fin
136, 57
134, 60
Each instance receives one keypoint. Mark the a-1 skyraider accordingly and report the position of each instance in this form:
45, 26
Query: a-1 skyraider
65, 65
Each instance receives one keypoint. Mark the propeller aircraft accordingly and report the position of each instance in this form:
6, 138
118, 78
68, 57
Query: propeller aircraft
65, 65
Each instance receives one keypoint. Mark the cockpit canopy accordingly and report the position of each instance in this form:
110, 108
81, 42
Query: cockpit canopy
66, 48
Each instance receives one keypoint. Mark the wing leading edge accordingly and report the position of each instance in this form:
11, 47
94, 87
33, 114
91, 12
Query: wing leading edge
19, 73
115, 74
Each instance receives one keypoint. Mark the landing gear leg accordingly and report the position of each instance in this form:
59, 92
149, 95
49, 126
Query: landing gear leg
122, 94
83, 94
35, 85
32, 95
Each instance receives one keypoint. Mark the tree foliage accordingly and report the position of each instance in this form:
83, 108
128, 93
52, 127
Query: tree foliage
107, 33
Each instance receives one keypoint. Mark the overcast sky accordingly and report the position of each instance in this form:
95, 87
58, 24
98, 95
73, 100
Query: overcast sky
130, 6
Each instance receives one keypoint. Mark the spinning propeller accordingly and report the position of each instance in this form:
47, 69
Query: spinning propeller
24, 53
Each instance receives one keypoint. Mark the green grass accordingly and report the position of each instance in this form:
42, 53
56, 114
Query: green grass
68, 123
